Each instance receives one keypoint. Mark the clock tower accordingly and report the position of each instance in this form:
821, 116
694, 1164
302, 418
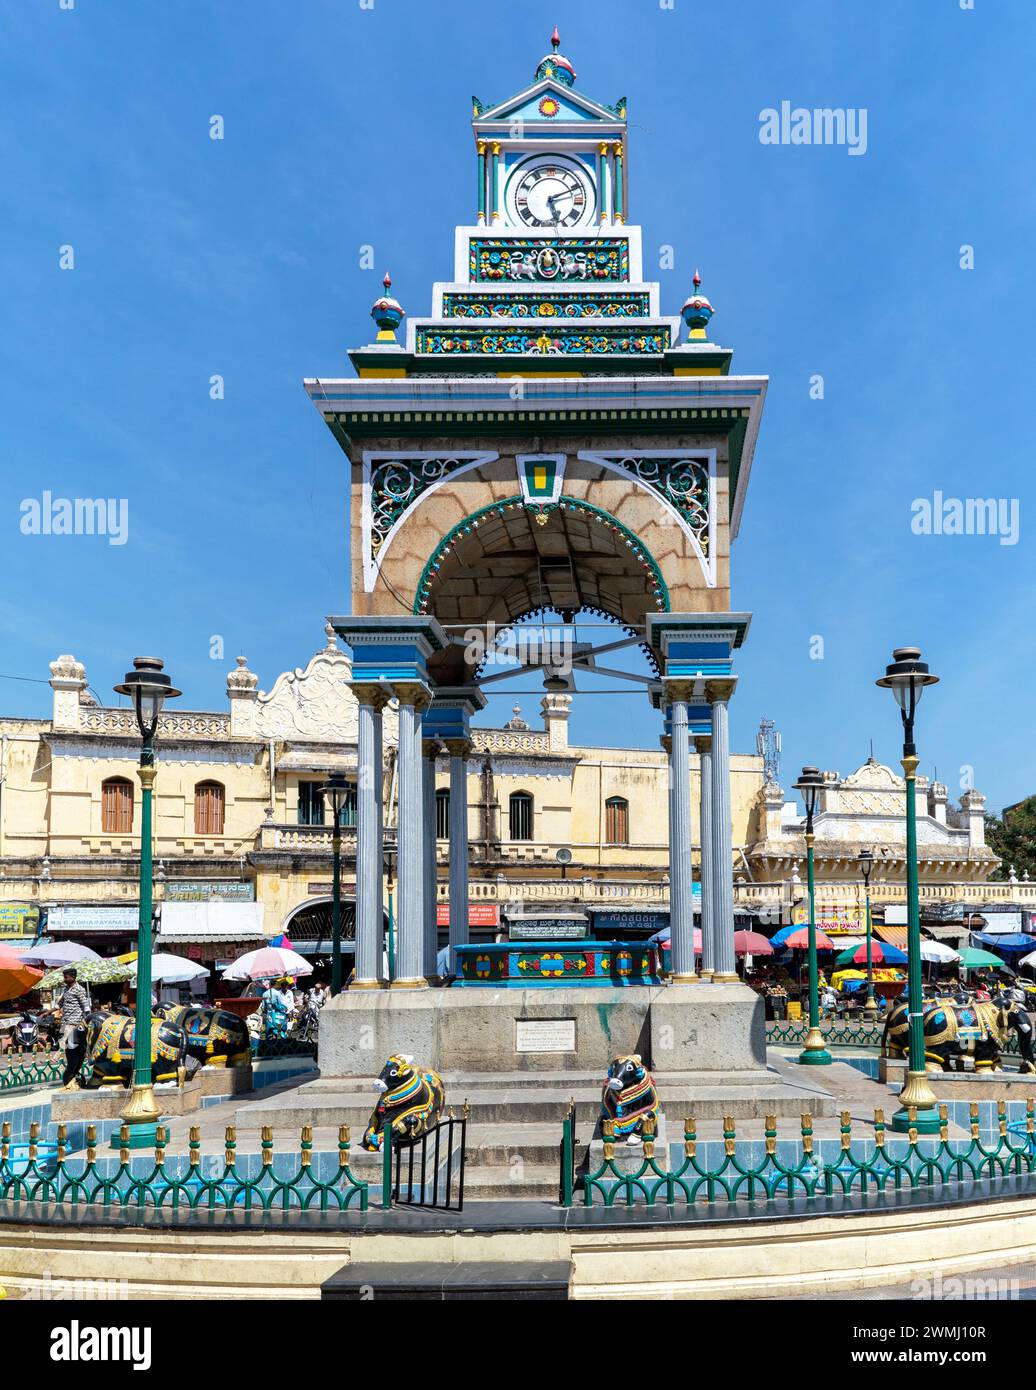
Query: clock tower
545, 444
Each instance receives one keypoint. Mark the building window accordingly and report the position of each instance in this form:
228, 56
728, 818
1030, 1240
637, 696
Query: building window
521, 816
117, 806
347, 810
208, 809
442, 814
616, 821
311, 804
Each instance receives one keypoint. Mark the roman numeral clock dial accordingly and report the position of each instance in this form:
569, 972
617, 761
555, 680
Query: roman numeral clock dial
550, 193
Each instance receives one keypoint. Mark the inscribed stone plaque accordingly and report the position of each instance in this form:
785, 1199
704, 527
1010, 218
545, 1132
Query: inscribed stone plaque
545, 1035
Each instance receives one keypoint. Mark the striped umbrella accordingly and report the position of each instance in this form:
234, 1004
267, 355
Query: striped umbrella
881, 954
799, 940
16, 978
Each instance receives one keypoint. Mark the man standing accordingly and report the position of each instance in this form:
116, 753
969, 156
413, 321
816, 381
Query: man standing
74, 1005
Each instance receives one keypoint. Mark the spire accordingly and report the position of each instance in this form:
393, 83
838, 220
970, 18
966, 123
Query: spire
387, 313
555, 65
697, 311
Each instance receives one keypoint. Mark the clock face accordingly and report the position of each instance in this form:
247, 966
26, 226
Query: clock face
550, 191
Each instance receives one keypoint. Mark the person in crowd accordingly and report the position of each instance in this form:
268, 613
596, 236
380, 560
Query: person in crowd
73, 1006
278, 1006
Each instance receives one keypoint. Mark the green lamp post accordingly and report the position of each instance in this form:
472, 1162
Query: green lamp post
906, 676
866, 862
814, 1053
335, 790
148, 686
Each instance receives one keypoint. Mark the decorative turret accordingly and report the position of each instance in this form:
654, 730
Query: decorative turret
242, 692
68, 681
387, 313
555, 65
697, 311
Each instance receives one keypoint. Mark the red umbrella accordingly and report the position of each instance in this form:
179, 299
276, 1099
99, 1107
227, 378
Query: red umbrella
751, 943
799, 941
666, 942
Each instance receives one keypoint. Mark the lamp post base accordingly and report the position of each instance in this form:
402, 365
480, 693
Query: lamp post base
141, 1116
870, 1009
814, 1054
917, 1096
924, 1122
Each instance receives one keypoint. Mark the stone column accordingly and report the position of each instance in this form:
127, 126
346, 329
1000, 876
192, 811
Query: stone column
368, 973
410, 973
703, 747
431, 879
681, 893
722, 837
458, 749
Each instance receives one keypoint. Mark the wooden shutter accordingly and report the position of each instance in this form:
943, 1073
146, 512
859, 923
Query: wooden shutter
208, 809
117, 807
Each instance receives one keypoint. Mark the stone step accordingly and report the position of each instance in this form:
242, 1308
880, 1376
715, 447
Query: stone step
504, 1107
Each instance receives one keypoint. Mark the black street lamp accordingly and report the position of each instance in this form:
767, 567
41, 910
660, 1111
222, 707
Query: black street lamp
906, 676
335, 790
148, 686
814, 1053
866, 862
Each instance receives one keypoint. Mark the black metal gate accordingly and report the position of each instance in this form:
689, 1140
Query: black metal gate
429, 1171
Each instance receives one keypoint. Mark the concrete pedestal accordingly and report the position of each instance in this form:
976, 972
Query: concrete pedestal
108, 1102
681, 1028
224, 1081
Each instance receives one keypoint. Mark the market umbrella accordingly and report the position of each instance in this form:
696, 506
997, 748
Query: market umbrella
283, 941
780, 938
751, 943
971, 958
939, 953
172, 970
881, 954
267, 963
58, 953
1029, 960
91, 972
16, 978
663, 939
799, 940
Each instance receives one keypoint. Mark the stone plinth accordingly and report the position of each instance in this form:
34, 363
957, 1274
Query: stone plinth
224, 1081
965, 1085
108, 1102
708, 1027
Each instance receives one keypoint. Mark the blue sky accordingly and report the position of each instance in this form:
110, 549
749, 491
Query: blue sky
347, 126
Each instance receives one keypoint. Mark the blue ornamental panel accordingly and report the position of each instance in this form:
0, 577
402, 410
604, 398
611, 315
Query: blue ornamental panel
549, 259
558, 340
516, 305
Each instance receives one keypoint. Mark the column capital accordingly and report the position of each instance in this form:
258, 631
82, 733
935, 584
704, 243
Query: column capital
602, 148
412, 693
367, 694
721, 688
431, 747
703, 743
678, 692
458, 747
481, 146
666, 742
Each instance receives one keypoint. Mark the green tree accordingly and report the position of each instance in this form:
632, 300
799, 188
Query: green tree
1014, 839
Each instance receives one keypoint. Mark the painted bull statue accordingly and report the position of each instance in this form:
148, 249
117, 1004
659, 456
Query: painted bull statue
109, 1051
215, 1037
955, 1029
629, 1098
411, 1099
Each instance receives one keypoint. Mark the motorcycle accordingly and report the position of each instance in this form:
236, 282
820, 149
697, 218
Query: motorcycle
35, 1029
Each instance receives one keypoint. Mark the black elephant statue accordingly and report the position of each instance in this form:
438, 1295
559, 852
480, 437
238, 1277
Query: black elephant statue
110, 1040
955, 1030
215, 1037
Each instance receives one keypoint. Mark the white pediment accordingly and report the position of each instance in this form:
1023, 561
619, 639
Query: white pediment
874, 776
315, 703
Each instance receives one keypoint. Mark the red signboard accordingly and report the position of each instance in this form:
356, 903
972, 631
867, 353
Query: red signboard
479, 915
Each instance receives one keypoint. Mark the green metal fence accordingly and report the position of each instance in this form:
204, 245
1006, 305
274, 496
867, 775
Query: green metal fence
21, 1069
790, 1034
51, 1176
916, 1164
